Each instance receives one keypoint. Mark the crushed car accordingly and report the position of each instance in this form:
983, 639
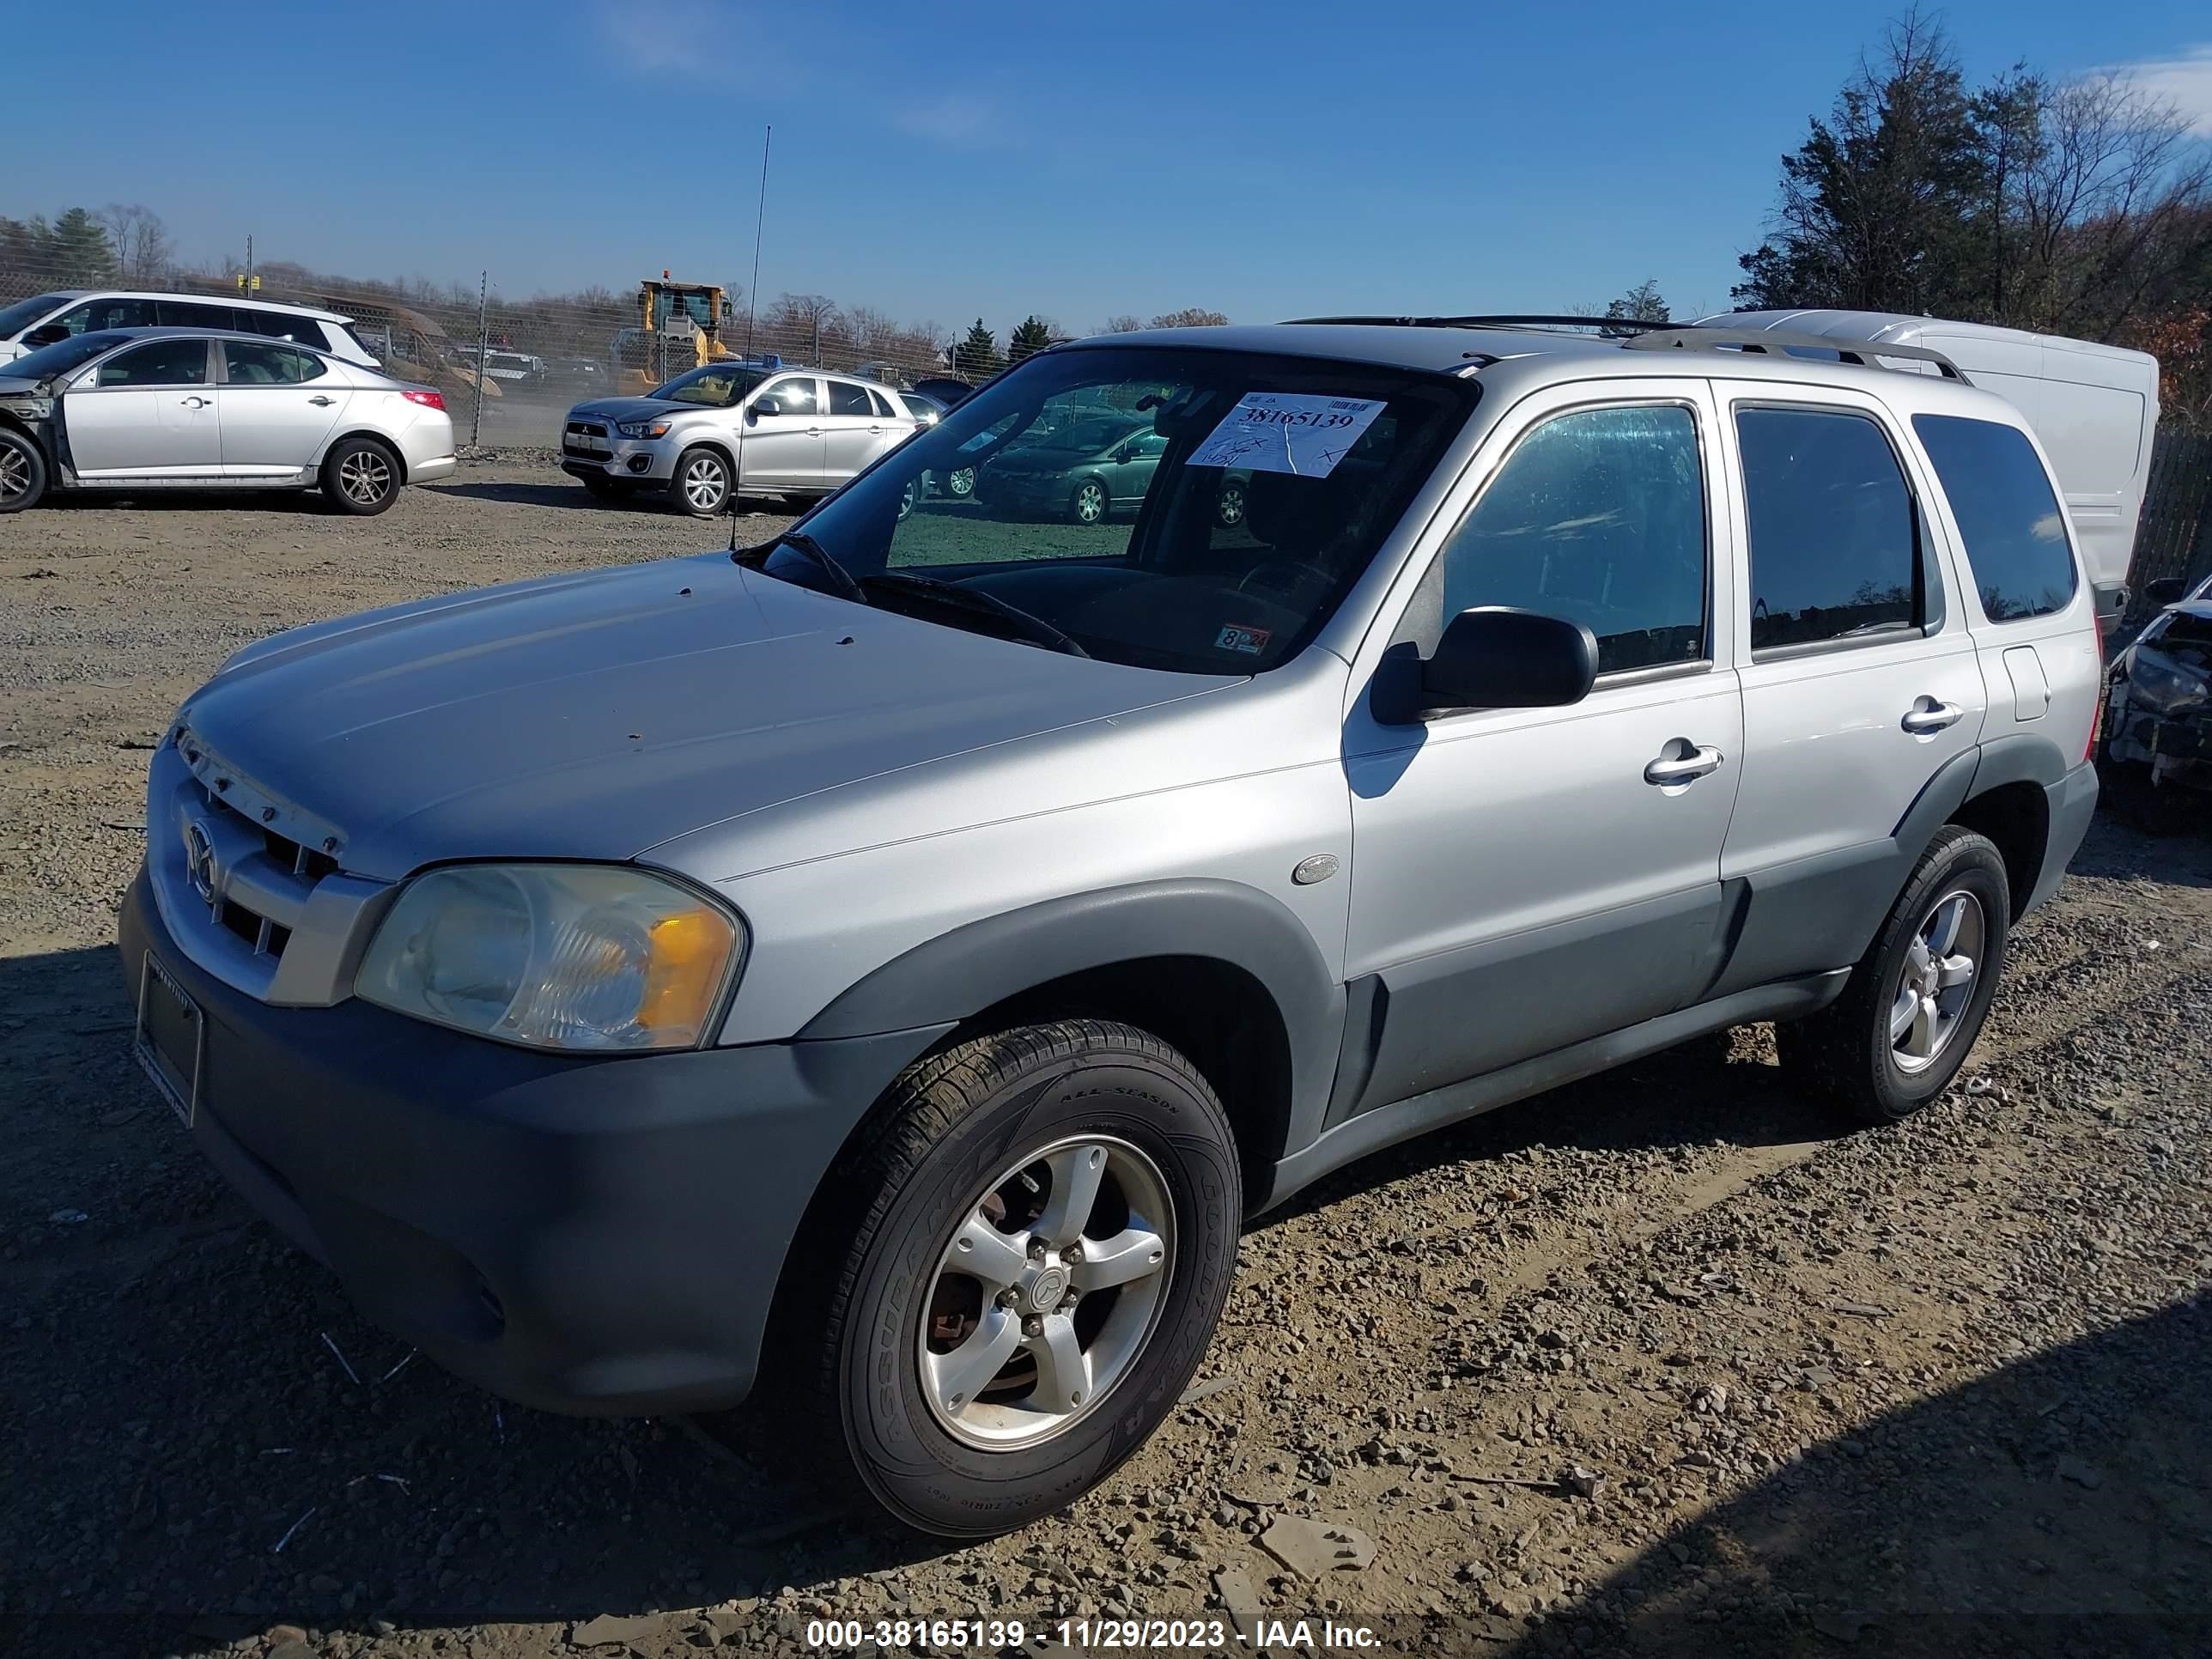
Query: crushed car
2158, 710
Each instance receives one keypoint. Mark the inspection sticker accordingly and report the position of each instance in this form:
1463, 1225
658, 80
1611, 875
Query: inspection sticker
1250, 641
1293, 432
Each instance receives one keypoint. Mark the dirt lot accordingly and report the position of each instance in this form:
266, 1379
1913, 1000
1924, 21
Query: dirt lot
1944, 1388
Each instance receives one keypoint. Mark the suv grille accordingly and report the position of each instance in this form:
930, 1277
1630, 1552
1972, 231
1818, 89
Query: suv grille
249, 886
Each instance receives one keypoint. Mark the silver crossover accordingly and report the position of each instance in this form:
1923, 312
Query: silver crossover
943, 928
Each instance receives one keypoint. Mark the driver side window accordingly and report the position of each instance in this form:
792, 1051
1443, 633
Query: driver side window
1598, 516
794, 396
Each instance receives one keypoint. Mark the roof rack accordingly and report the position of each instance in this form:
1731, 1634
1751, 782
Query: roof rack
1533, 319
1864, 354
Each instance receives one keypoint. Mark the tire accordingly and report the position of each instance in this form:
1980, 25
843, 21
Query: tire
361, 476
1229, 505
700, 484
960, 482
955, 1134
1851, 1051
908, 498
1089, 503
23, 473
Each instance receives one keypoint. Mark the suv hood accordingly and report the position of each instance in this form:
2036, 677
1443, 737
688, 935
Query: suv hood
636, 408
595, 715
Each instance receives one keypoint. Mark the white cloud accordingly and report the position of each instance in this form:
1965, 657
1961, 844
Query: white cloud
953, 119
689, 39
2186, 79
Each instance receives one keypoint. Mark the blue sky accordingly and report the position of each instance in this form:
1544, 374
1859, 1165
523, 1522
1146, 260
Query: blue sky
939, 161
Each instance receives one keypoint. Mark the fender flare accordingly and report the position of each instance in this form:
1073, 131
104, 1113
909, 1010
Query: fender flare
959, 974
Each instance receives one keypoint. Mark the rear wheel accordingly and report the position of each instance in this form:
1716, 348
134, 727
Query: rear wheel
22, 471
1229, 505
1088, 502
361, 475
1026, 1264
960, 482
702, 482
1917, 999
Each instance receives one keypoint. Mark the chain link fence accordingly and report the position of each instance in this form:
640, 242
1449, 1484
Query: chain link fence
511, 369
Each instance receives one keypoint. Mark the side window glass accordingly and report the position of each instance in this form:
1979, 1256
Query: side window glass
158, 362
1835, 533
881, 409
1598, 516
177, 314
248, 364
846, 399
2010, 518
107, 313
795, 397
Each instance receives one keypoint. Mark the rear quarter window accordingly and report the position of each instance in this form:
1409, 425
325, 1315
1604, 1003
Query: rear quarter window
2013, 525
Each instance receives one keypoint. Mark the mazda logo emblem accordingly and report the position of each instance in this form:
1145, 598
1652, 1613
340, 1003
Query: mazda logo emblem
199, 860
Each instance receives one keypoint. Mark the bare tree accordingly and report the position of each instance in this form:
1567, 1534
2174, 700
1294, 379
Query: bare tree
1190, 316
142, 251
1121, 323
804, 320
2112, 207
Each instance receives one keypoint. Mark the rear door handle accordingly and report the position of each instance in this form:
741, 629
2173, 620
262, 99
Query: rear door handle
319, 401
1929, 715
1681, 769
194, 402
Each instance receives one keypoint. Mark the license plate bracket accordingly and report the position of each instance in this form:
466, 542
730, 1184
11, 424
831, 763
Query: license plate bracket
169, 1038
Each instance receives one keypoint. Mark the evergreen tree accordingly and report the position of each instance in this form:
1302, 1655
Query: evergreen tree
976, 357
1033, 336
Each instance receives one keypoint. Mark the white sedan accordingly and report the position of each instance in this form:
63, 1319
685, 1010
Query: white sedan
137, 409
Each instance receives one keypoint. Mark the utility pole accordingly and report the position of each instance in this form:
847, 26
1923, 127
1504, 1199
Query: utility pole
483, 343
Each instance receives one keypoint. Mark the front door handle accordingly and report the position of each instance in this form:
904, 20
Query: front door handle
1681, 769
194, 402
319, 401
1928, 716
813, 431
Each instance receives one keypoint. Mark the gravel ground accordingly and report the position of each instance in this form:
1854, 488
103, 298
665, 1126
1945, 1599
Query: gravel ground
1660, 1361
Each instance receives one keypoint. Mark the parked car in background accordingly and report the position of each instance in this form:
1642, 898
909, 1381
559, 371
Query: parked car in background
514, 367
578, 374
46, 320
944, 389
884, 968
2158, 712
141, 409
800, 433
1090, 469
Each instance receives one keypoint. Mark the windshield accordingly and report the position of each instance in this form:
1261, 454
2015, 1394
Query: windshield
1198, 511
62, 356
21, 315
718, 386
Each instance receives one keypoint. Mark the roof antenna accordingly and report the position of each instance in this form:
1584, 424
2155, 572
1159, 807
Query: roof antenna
752, 314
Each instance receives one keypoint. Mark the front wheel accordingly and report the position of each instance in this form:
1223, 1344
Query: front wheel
1229, 505
1087, 505
960, 482
1028, 1260
23, 473
1917, 999
702, 483
361, 476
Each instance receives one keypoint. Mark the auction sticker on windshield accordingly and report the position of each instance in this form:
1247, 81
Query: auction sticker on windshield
1293, 432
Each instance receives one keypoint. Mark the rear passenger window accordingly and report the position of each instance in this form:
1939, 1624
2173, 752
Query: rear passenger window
846, 399
1599, 517
94, 315
247, 364
883, 410
179, 314
1835, 534
278, 327
2014, 528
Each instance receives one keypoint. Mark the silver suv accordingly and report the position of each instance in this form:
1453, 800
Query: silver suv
888, 966
786, 432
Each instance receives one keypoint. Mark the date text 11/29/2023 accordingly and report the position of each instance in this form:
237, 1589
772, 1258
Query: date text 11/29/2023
996, 1635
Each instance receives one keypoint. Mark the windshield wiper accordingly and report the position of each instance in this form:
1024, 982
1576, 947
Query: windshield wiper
840, 579
1033, 629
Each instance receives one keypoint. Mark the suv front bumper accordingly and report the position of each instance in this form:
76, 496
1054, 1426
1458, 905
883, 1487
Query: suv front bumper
595, 1235
630, 460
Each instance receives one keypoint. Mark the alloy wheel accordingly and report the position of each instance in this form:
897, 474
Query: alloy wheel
1090, 502
14, 473
704, 483
366, 476
1935, 986
1047, 1292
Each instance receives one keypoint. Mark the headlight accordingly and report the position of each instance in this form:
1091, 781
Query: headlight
2164, 685
580, 956
643, 428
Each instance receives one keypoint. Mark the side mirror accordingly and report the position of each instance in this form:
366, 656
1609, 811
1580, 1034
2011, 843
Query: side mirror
763, 406
50, 334
1494, 656
2166, 590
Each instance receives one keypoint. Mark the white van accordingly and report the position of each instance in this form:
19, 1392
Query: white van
46, 320
2094, 408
